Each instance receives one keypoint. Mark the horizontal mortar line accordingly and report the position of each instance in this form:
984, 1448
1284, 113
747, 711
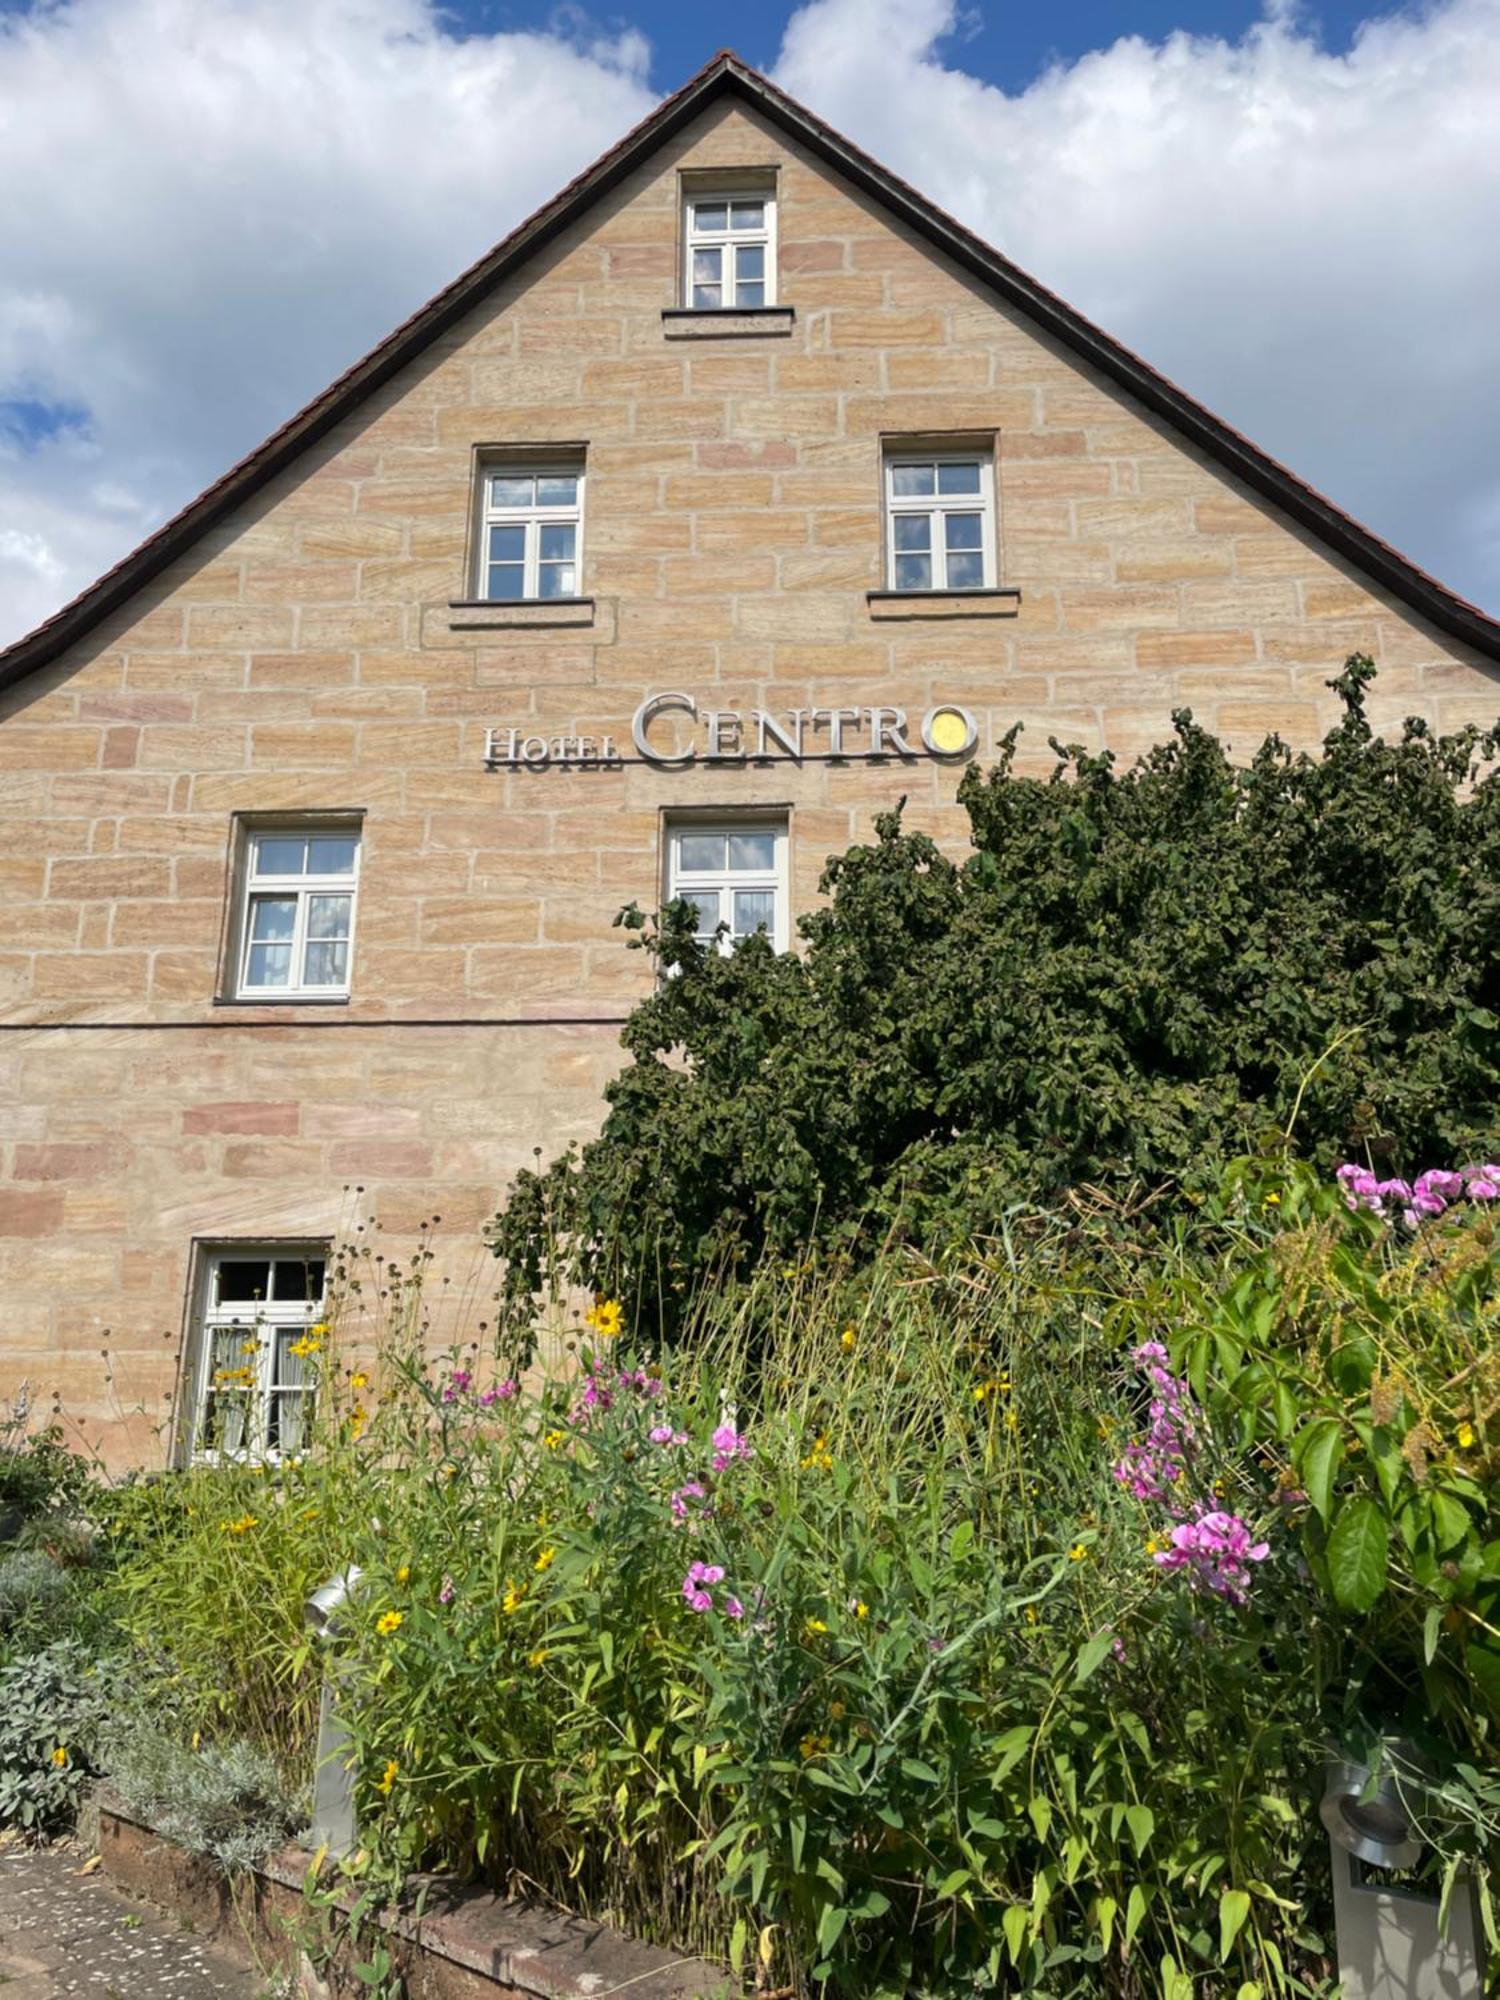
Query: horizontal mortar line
436, 1021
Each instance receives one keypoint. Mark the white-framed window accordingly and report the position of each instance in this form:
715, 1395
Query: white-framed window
729, 253
260, 1338
734, 873
299, 885
530, 532
940, 520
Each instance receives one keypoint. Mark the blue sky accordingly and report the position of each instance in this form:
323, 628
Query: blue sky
213, 206
1006, 44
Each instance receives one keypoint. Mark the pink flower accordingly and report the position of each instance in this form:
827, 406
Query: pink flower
728, 1445
733, 1608
660, 1433
1215, 1549
500, 1393
702, 1572
446, 1594
697, 1600
691, 1491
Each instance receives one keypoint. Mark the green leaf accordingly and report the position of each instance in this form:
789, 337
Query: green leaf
1142, 1823
1135, 1910
1451, 1521
739, 1937
915, 1768
1105, 1911
1040, 1810
959, 1878
1089, 1656
1016, 1922
1317, 1453
1011, 1748
960, 1541
1234, 1908
1432, 1626
1358, 1553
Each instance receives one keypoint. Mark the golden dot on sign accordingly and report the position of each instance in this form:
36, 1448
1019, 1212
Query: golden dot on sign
948, 731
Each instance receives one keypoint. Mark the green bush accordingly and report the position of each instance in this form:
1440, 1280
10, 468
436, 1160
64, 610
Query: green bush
33, 1592
952, 1718
226, 1801
1132, 979
54, 1705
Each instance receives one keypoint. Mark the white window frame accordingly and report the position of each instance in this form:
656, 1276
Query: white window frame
776, 878
938, 506
531, 519
259, 1325
303, 888
695, 237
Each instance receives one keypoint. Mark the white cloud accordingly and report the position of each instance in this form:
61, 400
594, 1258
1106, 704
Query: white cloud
213, 206
1305, 241
223, 202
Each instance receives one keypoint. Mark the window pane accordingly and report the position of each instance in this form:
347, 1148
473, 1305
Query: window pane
750, 294
710, 215
752, 850
242, 1280
327, 964
298, 1280
706, 296
750, 261
558, 491
286, 1425
706, 903
912, 531
279, 855
507, 545
331, 854
964, 531
559, 541
270, 965
708, 266
328, 916
907, 479
558, 580
960, 478
272, 918
966, 571
747, 215
913, 572
700, 850
507, 581
512, 490
754, 910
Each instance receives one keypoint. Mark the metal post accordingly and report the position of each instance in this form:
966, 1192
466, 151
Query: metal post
333, 1822
1389, 1944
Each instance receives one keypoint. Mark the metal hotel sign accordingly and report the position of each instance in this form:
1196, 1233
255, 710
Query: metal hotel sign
671, 732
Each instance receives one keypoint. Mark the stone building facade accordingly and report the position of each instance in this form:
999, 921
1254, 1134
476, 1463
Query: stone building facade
369, 707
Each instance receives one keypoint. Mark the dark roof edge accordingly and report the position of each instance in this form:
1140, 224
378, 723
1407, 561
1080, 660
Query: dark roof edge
1442, 607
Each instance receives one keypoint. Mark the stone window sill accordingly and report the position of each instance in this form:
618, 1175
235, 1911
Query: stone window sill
278, 1000
943, 603
754, 322
479, 614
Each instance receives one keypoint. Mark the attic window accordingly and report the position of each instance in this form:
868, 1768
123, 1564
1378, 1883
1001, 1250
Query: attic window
729, 250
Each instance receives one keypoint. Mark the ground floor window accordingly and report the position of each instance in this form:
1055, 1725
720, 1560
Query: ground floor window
259, 1335
734, 874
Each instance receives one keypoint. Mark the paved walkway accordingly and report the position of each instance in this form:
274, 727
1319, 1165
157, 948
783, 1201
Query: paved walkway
63, 1932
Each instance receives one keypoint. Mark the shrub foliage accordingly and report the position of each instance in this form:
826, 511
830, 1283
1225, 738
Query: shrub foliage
1133, 978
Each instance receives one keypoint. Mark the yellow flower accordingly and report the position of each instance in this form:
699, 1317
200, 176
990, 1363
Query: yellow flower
1465, 1435
606, 1317
511, 1601
305, 1346
813, 1746
359, 1416
319, 1332
359, 1379
1078, 1553
1272, 1201
389, 1622
1155, 1544
387, 1777
403, 1575
836, 1711
544, 1559
1031, 1614
535, 1659
861, 1609
848, 1340
1012, 1421
815, 1626
820, 1456
554, 1439
240, 1527
59, 1758
250, 1347
197, 1738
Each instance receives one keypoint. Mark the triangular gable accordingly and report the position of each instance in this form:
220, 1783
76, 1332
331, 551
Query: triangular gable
726, 75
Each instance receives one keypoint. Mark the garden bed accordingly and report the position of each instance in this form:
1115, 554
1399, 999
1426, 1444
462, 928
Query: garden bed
466, 1945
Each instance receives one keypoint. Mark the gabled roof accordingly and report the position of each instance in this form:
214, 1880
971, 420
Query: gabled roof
726, 76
